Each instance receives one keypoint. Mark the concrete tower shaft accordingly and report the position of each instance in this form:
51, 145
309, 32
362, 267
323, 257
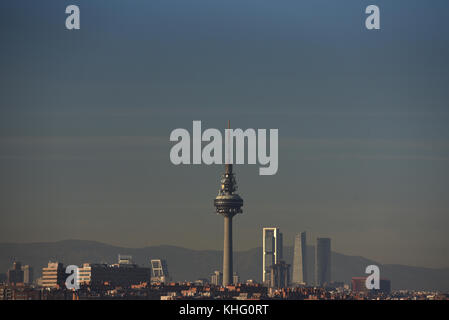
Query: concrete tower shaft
228, 203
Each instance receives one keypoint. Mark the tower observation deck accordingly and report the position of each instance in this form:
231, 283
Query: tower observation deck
228, 203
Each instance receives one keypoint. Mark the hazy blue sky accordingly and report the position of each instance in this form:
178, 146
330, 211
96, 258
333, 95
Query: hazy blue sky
363, 117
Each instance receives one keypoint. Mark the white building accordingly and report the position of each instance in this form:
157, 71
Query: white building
272, 251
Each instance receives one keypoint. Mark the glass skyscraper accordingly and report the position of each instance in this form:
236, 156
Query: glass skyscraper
300, 259
272, 251
322, 261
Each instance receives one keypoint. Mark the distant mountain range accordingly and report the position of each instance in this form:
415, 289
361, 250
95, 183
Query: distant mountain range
187, 264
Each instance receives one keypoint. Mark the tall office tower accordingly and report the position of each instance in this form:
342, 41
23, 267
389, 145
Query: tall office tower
27, 274
53, 275
300, 259
235, 278
159, 271
228, 203
323, 261
272, 252
15, 274
216, 278
279, 275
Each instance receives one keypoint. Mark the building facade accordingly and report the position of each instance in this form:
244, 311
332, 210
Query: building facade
28, 274
280, 275
235, 278
123, 275
272, 251
322, 262
125, 259
15, 274
159, 271
53, 275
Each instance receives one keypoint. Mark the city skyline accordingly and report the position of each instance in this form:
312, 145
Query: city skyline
275, 272
125, 280
248, 265
85, 119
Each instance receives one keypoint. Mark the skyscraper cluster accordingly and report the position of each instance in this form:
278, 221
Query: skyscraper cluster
275, 272
322, 261
272, 252
159, 271
274, 268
